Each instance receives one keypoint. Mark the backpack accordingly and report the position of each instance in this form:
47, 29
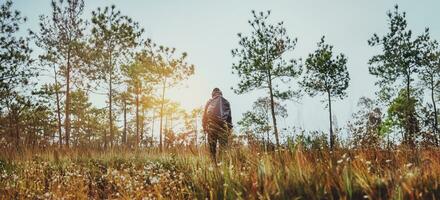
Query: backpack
218, 111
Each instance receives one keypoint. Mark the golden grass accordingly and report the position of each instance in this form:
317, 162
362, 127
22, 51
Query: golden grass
241, 174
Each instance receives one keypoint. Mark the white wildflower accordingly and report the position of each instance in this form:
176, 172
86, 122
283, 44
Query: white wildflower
47, 194
154, 180
14, 177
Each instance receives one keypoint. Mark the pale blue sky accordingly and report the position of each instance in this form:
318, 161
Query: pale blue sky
207, 30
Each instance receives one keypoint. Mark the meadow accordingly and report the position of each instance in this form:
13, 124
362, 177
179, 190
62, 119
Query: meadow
242, 173
107, 101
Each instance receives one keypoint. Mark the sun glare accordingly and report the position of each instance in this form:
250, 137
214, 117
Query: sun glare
193, 93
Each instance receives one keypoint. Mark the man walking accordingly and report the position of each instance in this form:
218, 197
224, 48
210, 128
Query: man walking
217, 122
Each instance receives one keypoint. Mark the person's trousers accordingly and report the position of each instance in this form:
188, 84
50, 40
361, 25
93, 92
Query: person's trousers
219, 136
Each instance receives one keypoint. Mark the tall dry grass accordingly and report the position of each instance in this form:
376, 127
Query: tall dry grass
242, 173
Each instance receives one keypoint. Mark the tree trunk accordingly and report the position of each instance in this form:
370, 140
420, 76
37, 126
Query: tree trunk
89, 135
161, 115
16, 129
266, 110
110, 102
332, 139
57, 95
142, 123
110, 113
105, 139
272, 108
409, 133
195, 130
137, 118
171, 121
67, 117
435, 111
152, 128
165, 131
124, 136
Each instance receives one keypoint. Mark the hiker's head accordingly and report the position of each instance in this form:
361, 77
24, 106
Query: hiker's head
216, 92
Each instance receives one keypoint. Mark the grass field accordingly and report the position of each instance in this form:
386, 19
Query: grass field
242, 174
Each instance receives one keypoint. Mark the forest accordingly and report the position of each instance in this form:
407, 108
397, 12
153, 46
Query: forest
56, 143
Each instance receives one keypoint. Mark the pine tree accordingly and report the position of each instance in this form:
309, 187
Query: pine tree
430, 74
398, 63
170, 69
15, 71
61, 37
14, 51
257, 120
114, 37
140, 81
261, 63
328, 75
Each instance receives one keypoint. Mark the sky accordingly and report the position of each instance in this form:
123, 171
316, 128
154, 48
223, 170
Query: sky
207, 31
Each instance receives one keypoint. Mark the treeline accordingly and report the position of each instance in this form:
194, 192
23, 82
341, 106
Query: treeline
107, 54
407, 71
45, 96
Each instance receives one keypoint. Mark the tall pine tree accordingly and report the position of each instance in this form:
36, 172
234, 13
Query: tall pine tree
398, 63
114, 37
61, 37
261, 63
328, 75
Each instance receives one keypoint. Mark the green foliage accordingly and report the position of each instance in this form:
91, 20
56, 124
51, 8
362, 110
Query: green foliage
367, 128
261, 57
398, 114
400, 58
387, 126
261, 63
400, 61
257, 121
326, 73
139, 74
62, 41
14, 52
430, 61
139, 78
169, 69
114, 36
61, 37
430, 76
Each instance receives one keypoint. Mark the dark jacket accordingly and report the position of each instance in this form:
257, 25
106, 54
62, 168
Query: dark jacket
217, 110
